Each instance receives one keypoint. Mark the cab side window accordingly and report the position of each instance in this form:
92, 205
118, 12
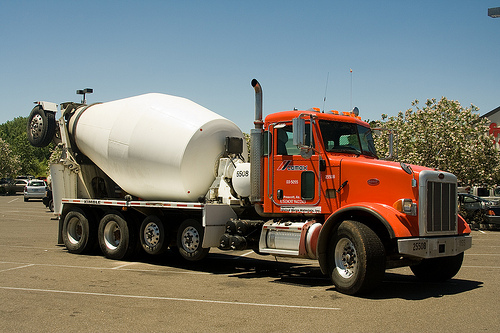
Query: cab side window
284, 139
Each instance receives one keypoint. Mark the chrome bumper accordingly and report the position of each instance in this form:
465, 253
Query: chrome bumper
434, 247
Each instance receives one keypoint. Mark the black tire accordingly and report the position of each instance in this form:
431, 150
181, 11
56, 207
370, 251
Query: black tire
41, 127
154, 239
116, 237
438, 269
78, 233
26, 199
356, 258
189, 241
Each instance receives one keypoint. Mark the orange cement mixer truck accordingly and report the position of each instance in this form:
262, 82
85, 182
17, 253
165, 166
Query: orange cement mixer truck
157, 172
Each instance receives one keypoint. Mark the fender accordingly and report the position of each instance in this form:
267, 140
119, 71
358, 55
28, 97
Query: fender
463, 226
395, 223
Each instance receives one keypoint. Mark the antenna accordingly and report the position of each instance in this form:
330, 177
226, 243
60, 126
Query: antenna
324, 98
351, 90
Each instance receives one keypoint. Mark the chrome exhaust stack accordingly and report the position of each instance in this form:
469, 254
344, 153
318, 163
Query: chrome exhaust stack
257, 147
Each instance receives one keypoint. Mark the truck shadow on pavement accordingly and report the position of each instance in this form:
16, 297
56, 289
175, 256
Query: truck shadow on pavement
408, 287
394, 285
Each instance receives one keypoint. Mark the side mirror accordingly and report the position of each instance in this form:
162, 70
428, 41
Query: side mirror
299, 131
392, 146
300, 139
392, 137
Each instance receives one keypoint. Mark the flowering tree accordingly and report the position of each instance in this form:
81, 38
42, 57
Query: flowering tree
446, 136
9, 162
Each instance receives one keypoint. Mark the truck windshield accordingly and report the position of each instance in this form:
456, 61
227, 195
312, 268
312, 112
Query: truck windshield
342, 137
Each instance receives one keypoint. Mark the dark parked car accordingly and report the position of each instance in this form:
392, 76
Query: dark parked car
478, 211
493, 217
7, 186
20, 184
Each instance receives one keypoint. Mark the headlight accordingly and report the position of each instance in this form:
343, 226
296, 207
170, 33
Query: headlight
406, 206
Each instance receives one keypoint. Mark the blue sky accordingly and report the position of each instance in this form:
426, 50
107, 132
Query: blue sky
209, 51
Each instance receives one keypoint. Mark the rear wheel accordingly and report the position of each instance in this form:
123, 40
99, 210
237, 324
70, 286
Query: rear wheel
78, 233
153, 237
116, 237
356, 258
438, 269
190, 239
41, 127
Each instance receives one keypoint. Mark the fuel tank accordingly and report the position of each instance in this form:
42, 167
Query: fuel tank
154, 146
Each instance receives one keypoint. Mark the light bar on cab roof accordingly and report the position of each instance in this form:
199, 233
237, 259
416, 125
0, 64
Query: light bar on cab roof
345, 113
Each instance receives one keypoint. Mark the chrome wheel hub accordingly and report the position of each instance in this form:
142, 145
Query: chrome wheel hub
190, 239
152, 234
36, 126
345, 258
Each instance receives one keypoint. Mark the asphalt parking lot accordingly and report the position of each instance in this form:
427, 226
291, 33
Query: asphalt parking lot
44, 288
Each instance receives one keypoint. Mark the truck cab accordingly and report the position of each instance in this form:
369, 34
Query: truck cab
322, 169
303, 166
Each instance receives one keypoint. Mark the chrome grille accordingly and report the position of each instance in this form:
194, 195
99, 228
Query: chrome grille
441, 203
438, 203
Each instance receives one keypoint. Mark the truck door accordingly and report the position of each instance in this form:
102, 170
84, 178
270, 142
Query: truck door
295, 179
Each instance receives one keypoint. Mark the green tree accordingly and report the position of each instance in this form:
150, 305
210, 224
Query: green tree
444, 135
31, 160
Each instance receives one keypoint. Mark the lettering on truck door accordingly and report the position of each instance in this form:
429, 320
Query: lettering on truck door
294, 185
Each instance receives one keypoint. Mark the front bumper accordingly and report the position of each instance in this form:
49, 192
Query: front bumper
433, 247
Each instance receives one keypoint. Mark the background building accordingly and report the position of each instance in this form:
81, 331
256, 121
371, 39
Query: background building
494, 117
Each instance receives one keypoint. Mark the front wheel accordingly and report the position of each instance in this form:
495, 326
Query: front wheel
190, 239
438, 269
116, 237
356, 258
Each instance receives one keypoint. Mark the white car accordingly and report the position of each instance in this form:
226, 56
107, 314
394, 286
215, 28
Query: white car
35, 189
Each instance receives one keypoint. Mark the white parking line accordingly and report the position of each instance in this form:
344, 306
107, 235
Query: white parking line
13, 200
243, 255
169, 298
34, 247
24, 265
11, 269
124, 265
